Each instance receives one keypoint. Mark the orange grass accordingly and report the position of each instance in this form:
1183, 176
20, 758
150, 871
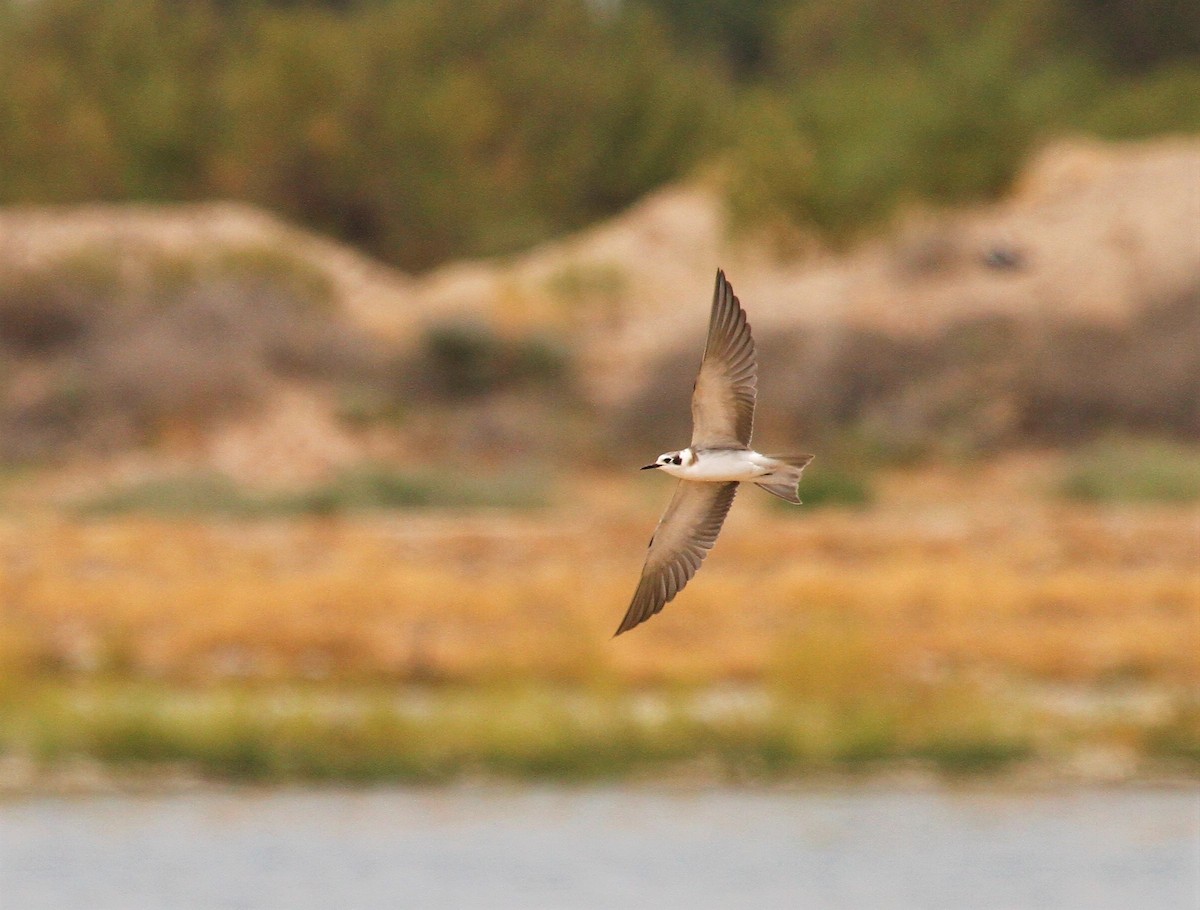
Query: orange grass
950, 572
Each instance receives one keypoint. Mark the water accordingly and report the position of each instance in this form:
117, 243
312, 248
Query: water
610, 848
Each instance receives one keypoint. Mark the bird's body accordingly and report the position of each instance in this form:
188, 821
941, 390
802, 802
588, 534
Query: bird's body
718, 459
715, 465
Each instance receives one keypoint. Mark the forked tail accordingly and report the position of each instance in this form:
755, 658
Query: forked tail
782, 481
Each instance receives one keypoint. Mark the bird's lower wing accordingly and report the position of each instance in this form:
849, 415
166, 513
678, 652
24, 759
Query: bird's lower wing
686, 533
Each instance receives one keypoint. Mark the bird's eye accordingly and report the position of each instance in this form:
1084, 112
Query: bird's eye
676, 460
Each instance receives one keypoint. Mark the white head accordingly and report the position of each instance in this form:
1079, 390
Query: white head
670, 460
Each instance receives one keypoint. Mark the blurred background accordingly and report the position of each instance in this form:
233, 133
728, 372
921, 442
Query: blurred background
332, 335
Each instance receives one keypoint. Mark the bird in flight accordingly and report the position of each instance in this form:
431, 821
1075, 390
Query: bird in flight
718, 459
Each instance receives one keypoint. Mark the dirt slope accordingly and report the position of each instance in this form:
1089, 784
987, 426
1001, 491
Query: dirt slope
1091, 231
1093, 235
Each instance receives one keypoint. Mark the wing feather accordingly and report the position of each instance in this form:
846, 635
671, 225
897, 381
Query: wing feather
724, 394
687, 531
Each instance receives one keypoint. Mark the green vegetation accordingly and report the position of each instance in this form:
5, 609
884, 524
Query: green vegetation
418, 131
372, 733
359, 489
297, 732
469, 361
1132, 470
1177, 738
423, 132
833, 486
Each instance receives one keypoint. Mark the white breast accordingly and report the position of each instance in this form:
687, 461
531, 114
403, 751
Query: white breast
721, 465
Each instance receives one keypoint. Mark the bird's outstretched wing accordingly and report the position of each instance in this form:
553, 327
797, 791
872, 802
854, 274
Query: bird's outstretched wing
684, 536
723, 397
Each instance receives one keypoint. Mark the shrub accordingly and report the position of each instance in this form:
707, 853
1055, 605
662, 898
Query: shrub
105, 360
470, 361
355, 489
1132, 470
423, 132
834, 486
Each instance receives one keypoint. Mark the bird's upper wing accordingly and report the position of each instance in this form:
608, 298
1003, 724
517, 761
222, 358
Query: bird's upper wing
723, 397
684, 536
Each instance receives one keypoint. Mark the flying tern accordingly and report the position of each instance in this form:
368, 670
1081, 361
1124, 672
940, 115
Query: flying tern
717, 460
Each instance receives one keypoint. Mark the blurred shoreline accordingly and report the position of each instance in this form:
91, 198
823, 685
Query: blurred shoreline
964, 623
21, 781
